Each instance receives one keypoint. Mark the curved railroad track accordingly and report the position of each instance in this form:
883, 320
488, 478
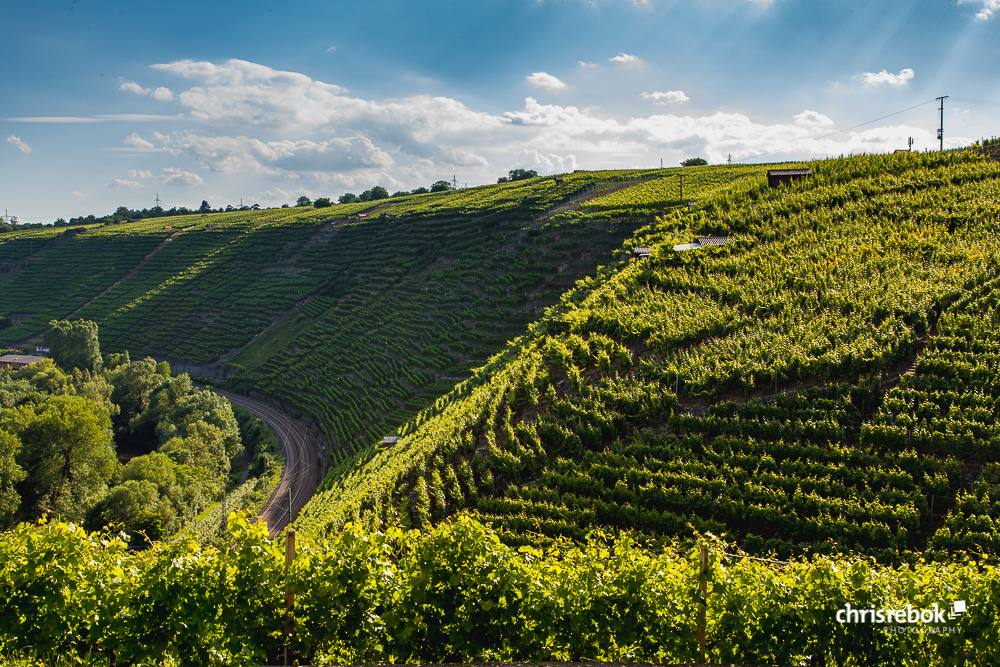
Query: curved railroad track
298, 480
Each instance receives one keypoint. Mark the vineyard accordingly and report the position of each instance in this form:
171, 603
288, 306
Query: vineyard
769, 389
457, 594
819, 392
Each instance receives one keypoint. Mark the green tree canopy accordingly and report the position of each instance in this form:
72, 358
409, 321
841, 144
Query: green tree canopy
520, 174
67, 453
11, 475
694, 162
347, 198
441, 186
323, 202
303, 201
74, 344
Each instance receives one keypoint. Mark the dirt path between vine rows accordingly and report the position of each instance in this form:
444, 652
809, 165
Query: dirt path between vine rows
299, 479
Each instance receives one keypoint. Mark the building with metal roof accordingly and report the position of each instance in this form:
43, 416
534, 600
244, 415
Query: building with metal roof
19, 360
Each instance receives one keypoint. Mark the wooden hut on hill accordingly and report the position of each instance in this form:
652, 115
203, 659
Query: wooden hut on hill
776, 177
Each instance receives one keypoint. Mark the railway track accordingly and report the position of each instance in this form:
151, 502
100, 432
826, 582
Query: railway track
299, 479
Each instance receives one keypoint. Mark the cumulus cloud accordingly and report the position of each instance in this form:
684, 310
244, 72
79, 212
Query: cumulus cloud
162, 94
666, 97
140, 173
544, 80
138, 143
626, 59
22, 146
886, 78
585, 64
179, 177
242, 154
125, 184
549, 163
582, 132
989, 10
245, 95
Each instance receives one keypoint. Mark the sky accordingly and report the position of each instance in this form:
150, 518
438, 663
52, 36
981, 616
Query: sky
108, 104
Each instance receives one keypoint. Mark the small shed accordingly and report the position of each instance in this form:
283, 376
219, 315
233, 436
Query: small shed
776, 177
642, 251
390, 440
16, 361
559, 179
362, 216
712, 240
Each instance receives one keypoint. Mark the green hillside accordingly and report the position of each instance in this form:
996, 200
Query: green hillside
826, 381
356, 316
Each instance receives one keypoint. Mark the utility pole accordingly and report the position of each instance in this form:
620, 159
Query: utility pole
157, 200
941, 128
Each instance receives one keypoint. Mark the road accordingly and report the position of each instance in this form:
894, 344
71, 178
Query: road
298, 481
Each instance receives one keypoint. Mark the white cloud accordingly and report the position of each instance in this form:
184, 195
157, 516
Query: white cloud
626, 59
330, 49
138, 143
178, 177
125, 184
558, 130
241, 154
101, 118
810, 119
162, 94
133, 87
585, 64
544, 80
667, 97
886, 78
140, 173
77, 193
22, 146
989, 10
245, 95
545, 164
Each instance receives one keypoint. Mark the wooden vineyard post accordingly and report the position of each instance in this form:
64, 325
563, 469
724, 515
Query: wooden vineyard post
702, 604
289, 595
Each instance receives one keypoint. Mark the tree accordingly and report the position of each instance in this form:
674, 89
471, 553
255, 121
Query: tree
137, 507
133, 383
365, 196
67, 453
303, 201
205, 207
694, 162
400, 193
378, 192
74, 344
347, 198
420, 191
11, 475
323, 202
521, 174
441, 186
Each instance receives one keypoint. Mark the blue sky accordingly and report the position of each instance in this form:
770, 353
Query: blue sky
108, 104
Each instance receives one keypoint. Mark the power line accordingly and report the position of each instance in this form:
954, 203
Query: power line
847, 129
986, 103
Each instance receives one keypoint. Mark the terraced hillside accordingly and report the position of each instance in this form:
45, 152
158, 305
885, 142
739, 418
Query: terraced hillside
356, 315
825, 381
